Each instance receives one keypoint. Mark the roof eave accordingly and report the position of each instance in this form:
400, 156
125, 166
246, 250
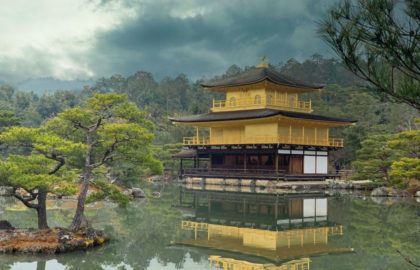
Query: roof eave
223, 87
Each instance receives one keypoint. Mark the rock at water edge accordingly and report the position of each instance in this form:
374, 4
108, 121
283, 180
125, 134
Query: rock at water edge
138, 193
5, 225
6, 191
379, 192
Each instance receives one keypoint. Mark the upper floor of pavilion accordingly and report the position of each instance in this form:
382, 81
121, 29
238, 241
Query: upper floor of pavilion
261, 87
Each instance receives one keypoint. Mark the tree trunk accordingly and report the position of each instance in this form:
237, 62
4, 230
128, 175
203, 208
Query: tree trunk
42, 209
40, 265
81, 199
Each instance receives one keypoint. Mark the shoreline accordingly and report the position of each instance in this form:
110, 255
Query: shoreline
49, 241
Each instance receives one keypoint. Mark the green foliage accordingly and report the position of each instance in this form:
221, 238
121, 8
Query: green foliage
33, 172
374, 158
390, 158
42, 141
41, 163
123, 133
405, 169
407, 142
165, 152
106, 190
378, 40
372, 115
8, 119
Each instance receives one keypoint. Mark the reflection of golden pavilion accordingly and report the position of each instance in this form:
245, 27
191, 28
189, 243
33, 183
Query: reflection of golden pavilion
273, 245
267, 211
232, 264
271, 227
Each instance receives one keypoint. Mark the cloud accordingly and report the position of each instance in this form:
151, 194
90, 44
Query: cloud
205, 37
51, 38
77, 39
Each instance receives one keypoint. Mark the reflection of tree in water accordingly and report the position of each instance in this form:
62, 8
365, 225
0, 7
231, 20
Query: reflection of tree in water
375, 231
40, 265
140, 233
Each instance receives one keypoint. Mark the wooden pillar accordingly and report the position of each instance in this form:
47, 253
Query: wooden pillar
316, 135
301, 238
245, 162
181, 167
210, 136
210, 161
276, 209
326, 235
290, 133
244, 207
276, 160
303, 134
197, 202
209, 204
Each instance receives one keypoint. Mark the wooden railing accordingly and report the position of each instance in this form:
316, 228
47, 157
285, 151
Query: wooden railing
334, 142
336, 230
196, 140
192, 225
252, 103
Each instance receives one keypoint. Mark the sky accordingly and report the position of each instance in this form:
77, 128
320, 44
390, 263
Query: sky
85, 39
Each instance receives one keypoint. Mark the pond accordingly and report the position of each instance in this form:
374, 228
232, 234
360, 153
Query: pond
202, 229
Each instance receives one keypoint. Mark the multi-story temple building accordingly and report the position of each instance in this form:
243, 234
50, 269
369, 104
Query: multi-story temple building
262, 129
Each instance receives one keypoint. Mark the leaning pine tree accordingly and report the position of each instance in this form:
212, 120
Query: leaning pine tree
110, 128
38, 164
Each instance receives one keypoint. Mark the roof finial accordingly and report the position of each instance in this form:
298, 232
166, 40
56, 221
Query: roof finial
264, 62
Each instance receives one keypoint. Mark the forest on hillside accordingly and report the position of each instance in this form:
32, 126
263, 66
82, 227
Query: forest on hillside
342, 96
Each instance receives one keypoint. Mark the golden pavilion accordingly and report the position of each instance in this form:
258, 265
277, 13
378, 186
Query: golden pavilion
262, 129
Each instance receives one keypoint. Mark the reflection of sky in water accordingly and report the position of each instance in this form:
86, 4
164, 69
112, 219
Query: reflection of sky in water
154, 265
52, 264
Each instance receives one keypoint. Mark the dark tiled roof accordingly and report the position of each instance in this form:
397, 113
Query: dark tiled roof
190, 153
254, 114
255, 75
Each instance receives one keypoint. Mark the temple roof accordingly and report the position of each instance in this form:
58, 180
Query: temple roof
254, 114
259, 74
190, 153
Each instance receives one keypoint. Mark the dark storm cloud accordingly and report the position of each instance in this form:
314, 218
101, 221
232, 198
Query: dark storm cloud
205, 37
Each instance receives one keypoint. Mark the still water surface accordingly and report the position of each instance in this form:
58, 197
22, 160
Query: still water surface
199, 229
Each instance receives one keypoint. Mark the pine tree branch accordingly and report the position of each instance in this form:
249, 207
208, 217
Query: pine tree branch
407, 259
